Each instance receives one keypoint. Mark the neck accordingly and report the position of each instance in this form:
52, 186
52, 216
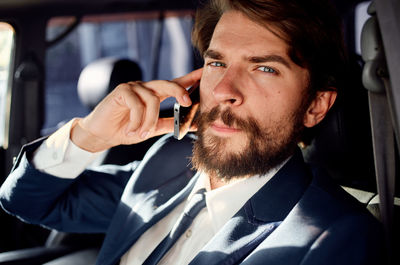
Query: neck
218, 182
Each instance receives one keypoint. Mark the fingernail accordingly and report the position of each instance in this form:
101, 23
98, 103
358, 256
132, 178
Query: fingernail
186, 99
144, 134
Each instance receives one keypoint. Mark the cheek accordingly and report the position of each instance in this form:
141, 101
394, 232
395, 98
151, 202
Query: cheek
206, 92
206, 99
273, 107
209, 75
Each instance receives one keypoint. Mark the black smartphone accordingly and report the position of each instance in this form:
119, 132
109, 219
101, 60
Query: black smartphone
183, 116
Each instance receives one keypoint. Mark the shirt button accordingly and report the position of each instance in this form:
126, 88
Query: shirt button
55, 155
189, 233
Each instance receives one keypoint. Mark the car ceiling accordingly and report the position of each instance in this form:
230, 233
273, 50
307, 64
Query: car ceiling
12, 8
9, 8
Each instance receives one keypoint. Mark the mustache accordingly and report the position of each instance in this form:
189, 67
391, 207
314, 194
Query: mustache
249, 124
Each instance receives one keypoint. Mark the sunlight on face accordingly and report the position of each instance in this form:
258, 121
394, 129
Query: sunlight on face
251, 100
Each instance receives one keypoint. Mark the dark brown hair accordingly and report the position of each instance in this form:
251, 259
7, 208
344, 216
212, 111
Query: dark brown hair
311, 29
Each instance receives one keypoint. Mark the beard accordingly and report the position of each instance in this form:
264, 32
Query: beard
263, 149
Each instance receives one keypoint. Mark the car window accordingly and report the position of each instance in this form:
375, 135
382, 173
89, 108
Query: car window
131, 36
7, 36
360, 17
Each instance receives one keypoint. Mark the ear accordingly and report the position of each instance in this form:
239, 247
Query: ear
319, 107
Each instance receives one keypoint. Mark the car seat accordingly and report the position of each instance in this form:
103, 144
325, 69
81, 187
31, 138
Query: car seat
96, 80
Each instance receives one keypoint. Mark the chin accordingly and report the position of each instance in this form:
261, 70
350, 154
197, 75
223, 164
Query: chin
227, 145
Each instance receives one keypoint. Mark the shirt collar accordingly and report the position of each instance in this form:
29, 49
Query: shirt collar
224, 202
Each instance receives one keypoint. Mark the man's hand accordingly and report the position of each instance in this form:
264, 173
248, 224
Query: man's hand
129, 114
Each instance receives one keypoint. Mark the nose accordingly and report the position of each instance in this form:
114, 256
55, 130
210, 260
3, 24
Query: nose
227, 90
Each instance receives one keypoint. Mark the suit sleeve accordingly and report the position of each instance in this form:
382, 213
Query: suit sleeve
84, 205
351, 240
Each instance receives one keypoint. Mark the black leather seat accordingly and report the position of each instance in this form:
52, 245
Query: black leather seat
343, 144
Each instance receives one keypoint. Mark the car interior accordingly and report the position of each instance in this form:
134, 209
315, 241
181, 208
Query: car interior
59, 58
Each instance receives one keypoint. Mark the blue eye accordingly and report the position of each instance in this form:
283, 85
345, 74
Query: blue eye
217, 64
267, 69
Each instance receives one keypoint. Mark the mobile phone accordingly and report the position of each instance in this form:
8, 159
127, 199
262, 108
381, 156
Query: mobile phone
183, 116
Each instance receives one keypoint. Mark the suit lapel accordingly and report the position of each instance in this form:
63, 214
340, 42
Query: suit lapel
255, 221
259, 217
235, 240
133, 218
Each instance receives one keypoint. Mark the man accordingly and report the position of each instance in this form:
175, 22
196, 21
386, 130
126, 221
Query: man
271, 70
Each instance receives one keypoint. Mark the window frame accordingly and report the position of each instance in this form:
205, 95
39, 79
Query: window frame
5, 110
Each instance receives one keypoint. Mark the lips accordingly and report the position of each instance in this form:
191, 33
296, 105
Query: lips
223, 128
222, 122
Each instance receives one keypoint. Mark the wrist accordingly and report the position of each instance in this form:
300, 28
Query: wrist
86, 140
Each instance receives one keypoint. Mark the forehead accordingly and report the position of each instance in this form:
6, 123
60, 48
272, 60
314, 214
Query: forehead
236, 31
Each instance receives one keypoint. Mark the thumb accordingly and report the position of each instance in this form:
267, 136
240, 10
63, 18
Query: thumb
164, 126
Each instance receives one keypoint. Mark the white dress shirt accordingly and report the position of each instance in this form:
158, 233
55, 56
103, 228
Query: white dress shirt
62, 158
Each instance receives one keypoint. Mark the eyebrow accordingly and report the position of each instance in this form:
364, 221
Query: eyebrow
253, 59
269, 58
213, 55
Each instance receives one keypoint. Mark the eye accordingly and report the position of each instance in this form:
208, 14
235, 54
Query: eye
216, 64
267, 69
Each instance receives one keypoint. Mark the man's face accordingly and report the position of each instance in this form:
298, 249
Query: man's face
252, 100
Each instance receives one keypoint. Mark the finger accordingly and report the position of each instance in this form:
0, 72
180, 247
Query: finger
151, 111
193, 127
164, 125
130, 99
189, 79
165, 89
175, 88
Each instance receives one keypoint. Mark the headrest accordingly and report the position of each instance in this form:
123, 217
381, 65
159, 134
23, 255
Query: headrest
343, 142
100, 77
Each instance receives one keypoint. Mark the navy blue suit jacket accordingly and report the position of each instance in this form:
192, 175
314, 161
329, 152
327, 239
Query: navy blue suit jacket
298, 217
